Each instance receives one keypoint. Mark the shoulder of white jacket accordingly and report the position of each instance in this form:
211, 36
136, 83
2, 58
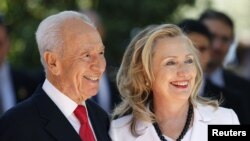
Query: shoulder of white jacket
122, 121
208, 112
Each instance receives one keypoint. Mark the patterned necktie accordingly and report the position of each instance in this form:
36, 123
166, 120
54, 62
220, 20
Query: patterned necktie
85, 132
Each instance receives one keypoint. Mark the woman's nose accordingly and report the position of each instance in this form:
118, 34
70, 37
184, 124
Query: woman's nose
182, 70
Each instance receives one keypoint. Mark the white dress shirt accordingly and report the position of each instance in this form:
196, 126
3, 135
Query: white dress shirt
65, 104
217, 78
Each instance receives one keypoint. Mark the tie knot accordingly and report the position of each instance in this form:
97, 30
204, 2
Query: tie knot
81, 114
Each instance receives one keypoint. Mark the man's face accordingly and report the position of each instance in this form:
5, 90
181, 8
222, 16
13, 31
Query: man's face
82, 62
222, 39
202, 43
4, 44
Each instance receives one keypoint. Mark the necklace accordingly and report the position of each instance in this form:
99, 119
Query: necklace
184, 130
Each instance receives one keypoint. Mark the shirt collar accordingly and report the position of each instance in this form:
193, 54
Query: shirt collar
63, 102
217, 77
204, 113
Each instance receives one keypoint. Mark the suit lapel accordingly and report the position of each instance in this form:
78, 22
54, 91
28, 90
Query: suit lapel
56, 123
99, 121
62, 131
94, 121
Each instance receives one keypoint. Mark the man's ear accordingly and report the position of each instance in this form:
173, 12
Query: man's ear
52, 61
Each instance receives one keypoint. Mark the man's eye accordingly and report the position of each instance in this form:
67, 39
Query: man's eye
203, 49
87, 55
101, 53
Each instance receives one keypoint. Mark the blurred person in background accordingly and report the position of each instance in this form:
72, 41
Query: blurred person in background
16, 85
222, 29
202, 39
158, 80
108, 96
242, 65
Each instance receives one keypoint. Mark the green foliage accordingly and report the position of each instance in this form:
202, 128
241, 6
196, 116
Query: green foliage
119, 18
23, 17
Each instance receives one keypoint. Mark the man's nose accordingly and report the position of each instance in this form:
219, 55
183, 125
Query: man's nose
98, 64
217, 44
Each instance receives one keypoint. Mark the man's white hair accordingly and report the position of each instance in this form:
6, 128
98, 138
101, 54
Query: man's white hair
49, 34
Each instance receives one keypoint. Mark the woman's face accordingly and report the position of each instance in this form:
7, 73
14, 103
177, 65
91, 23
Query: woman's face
174, 69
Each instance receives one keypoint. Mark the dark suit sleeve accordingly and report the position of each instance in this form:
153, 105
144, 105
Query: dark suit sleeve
10, 130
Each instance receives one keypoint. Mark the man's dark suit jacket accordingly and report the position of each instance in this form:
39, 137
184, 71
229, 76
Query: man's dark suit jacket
39, 119
234, 95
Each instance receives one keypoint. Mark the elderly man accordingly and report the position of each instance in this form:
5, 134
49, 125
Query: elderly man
72, 54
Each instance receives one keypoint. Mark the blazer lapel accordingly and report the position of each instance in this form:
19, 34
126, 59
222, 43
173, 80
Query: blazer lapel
62, 131
56, 123
146, 131
202, 116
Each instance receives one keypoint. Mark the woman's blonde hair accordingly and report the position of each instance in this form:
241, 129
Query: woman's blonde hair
135, 76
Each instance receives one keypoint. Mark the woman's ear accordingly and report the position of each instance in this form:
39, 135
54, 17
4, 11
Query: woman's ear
52, 61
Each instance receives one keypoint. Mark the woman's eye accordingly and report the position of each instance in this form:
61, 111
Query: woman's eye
170, 63
189, 61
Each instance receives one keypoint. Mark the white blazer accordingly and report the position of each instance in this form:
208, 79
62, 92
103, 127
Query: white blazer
203, 116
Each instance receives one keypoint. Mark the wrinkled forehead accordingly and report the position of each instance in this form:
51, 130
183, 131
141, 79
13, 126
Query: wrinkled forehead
75, 25
77, 34
76, 29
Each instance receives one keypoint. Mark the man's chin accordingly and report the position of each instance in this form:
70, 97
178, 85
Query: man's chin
93, 93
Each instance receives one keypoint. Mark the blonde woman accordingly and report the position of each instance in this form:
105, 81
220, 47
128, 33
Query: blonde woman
158, 80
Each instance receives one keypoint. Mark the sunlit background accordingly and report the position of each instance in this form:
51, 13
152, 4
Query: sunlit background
119, 18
